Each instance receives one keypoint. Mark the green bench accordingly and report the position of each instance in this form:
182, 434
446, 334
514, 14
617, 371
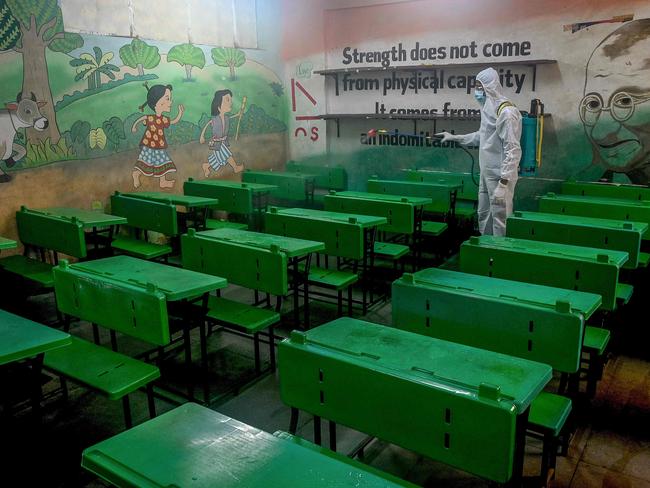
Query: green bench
326, 177
467, 196
291, 186
598, 207
40, 234
607, 190
546, 263
543, 324
128, 309
195, 446
592, 232
258, 269
456, 404
144, 215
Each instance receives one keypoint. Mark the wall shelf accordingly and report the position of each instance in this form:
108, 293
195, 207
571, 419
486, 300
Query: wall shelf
335, 72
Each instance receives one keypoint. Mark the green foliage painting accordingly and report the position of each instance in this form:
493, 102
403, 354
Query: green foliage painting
91, 67
187, 55
229, 57
138, 54
9, 28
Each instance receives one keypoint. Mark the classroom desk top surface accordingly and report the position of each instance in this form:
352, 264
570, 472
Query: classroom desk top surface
188, 201
21, 338
325, 216
599, 200
291, 246
7, 243
88, 218
535, 295
175, 283
433, 185
618, 258
440, 364
641, 227
284, 174
254, 187
382, 197
195, 446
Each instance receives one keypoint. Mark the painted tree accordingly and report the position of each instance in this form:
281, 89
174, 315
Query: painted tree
138, 54
187, 55
90, 67
41, 28
228, 57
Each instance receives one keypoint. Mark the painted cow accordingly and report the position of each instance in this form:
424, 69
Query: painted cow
23, 113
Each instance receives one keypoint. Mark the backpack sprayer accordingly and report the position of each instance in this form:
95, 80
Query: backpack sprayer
532, 131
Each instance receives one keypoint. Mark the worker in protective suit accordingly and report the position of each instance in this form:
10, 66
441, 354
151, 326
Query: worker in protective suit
499, 152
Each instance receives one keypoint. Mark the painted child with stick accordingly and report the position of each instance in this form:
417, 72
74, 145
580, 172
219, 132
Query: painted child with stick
220, 153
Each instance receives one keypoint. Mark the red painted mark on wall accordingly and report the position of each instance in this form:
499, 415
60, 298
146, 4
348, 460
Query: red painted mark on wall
302, 131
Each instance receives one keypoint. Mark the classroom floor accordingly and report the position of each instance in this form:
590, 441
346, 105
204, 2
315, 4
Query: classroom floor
611, 446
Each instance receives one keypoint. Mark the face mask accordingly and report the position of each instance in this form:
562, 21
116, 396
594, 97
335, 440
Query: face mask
480, 96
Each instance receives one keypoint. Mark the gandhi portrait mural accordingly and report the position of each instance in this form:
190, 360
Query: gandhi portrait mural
615, 108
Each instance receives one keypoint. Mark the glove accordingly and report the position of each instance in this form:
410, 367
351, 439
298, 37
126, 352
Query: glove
446, 136
499, 197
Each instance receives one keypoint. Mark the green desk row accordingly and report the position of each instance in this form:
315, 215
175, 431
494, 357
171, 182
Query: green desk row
187, 201
290, 186
21, 338
327, 177
401, 212
599, 207
609, 190
545, 263
195, 446
7, 243
453, 403
233, 196
468, 190
88, 218
442, 194
598, 233
534, 322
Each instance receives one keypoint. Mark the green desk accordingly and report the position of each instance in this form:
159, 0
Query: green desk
90, 220
290, 185
297, 251
195, 446
442, 194
7, 243
176, 283
580, 231
196, 207
402, 213
23, 339
248, 199
545, 263
599, 207
463, 406
468, 191
543, 324
327, 177
609, 190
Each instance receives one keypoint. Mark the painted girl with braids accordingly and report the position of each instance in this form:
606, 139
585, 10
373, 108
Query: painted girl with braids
154, 159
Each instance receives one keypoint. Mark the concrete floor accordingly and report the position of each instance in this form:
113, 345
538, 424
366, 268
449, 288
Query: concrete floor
610, 448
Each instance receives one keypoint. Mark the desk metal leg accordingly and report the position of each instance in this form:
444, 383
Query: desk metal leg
37, 366
317, 431
520, 445
332, 435
293, 423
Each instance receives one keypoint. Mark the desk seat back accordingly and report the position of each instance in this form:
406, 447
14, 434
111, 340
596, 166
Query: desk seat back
327, 177
129, 309
400, 215
419, 411
288, 187
146, 214
341, 239
231, 199
468, 191
441, 197
60, 234
608, 190
547, 334
251, 267
542, 269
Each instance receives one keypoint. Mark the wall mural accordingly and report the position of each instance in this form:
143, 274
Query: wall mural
70, 97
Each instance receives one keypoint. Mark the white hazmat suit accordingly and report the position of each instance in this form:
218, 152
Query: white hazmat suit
499, 154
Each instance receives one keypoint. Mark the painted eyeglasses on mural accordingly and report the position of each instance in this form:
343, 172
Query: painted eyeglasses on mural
621, 106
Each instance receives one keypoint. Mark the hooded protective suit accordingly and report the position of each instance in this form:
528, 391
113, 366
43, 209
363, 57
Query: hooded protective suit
499, 155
